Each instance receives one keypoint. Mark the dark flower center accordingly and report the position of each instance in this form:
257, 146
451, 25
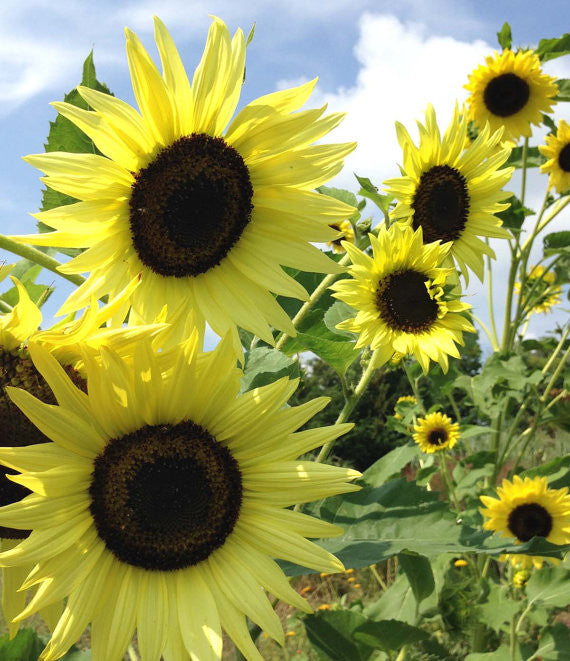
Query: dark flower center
189, 206
17, 369
564, 158
528, 521
441, 204
165, 497
404, 303
506, 94
437, 437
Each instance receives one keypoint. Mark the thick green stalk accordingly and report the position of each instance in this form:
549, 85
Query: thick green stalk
314, 297
38, 257
349, 405
524, 161
493, 342
489, 277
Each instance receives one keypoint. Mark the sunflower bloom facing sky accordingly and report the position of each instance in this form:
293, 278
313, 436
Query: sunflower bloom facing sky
163, 500
510, 91
557, 151
436, 432
400, 300
526, 509
207, 213
453, 192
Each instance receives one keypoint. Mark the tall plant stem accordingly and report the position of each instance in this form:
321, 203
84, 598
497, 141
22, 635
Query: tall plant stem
448, 481
491, 339
349, 405
38, 257
524, 160
414, 387
313, 298
489, 276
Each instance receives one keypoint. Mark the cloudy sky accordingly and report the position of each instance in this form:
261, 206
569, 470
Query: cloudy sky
377, 60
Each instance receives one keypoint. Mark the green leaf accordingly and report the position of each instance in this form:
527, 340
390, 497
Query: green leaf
26, 646
499, 608
557, 471
390, 465
554, 643
549, 49
513, 217
470, 431
344, 196
264, 365
310, 281
371, 192
389, 635
77, 655
549, 586
27, 272
65, 136
503, 653
563, 90
533, 158
419, 574
250, 35
331, 633
556, 242
338, 312
505, 36
314, 336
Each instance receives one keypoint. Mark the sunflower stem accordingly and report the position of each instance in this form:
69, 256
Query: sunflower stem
414, 387
38, 257
481, 323
513, 641
524, 162
448, 481
5, 307
378, 578
489, 276
313, 298
350, 404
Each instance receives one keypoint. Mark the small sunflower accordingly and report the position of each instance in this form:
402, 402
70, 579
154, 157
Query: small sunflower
527, 508
405, 399
163, 500
436, 432
521, 578
557, 151
510, 91
546, 295
401, 299
346, 234
207, 215
453, 192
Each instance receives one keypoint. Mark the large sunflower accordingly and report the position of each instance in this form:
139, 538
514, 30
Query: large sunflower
401, 298
205, 216
510, 91
436, 432
557, 151
527, 508
453, 192
163, 500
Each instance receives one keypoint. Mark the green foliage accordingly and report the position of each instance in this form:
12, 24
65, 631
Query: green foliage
332, 634
367, 189
264, 366
556, 242
513, 217
549, 49
65, 136
504, 36
533, 159
563, 90
388, 635
26, 646
549, 587
498, 609
419, 574
27, 272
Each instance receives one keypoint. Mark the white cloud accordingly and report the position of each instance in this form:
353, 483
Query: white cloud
402, 68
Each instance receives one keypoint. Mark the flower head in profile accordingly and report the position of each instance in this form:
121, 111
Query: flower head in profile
407, 402
163, 499
346, 233
510, 91
402, 299
527, 508
435, 433
540, 285
205, 208
451, 191
557, 151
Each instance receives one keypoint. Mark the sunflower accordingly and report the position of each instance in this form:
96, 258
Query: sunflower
401, 298
510, 91
527, 508
453, 192
206, 218
409, 401
346, 233
557, 151
436, 432
545, 294
163, 500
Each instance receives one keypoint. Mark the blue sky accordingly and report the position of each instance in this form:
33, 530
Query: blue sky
379, 61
